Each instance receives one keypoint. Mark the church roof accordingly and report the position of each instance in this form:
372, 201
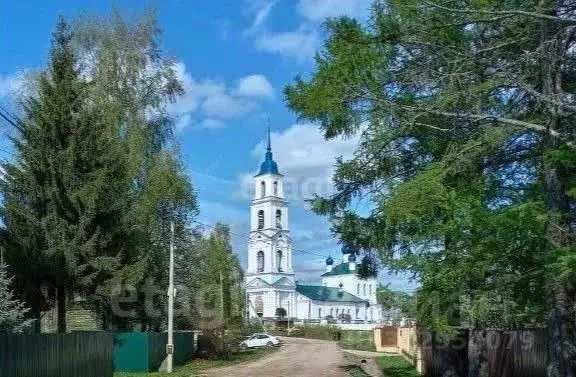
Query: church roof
321, 293
269, 166
341, 269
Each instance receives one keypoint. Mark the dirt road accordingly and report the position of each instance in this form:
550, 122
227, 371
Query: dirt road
296, 358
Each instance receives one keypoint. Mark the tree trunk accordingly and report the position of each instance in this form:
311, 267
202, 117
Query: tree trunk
61, 305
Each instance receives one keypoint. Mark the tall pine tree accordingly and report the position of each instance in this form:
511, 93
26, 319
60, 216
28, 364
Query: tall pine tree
64, 198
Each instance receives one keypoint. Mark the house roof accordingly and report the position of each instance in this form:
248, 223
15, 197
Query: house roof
320, 293
341, 269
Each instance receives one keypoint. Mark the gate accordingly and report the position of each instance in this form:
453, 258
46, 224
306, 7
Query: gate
388, 336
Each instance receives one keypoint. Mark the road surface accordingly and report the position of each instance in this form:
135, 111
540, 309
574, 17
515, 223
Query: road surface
296, 357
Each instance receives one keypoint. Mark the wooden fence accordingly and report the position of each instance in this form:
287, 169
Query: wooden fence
518, 353
86, 354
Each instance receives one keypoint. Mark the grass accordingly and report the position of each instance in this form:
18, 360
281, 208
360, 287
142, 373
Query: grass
356, 371
195, 366
396, 366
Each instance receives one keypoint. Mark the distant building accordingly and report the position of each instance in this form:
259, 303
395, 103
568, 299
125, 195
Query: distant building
272, 292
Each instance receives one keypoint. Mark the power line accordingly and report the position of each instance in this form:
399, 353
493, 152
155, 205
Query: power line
248, 238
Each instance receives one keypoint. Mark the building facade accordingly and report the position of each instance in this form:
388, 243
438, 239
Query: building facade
271, 289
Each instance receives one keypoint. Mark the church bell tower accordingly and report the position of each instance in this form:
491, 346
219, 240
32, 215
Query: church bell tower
270, 284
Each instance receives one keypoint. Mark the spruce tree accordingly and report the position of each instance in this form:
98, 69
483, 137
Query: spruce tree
12, 312
65, 191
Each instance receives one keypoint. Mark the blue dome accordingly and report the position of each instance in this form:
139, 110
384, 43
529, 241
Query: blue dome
347, 249
269, 166
329, 261
352, 258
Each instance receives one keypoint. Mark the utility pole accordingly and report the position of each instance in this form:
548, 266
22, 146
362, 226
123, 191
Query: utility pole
170, 344
222, 296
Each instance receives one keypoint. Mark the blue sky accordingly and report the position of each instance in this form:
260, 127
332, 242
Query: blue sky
234, 58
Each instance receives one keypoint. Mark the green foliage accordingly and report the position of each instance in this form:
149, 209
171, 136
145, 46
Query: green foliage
465, 156
13, 313
310, 331
398, 304
97, 178
396, 366
357, 340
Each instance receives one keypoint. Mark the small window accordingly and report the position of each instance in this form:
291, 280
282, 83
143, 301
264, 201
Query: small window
262, 189
319, 312
364, 289
337, 310
358, 288
278, 219
261, 219
279, 260
357, 312
275, 188
370, 289
331, 311
260, 261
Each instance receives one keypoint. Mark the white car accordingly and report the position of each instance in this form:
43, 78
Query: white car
260, 340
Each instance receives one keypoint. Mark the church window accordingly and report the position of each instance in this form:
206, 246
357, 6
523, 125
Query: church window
358, 288
337, 310
370, 289
357, 311
279, 260
275, 188
319, 312
259, 306
348, 311
260, 261
364, 289
261, 219
278, 219
262, 189
331, 311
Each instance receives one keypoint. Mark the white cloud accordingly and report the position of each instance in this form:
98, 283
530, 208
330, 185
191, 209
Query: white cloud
211, 123
260, 17
183, 122
303, 41
319, 10
300, 44
302, 151
305, 158
212, 101
11, 84
254, 86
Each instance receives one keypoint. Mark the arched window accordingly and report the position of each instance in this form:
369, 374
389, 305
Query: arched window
260, 261
348, 311
278, 219
370, 289
275, 188
358, 288
319, 312
259, 306
357, 311
364, 289
261, 219
262, 189
279, 260
331, 311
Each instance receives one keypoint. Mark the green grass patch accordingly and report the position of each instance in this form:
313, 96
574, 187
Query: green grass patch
396, 366
355, 371
197, 365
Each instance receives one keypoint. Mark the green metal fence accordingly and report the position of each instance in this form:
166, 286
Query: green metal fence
145, 352
86, 354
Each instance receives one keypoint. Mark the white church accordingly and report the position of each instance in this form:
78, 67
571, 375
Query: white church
272, 292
